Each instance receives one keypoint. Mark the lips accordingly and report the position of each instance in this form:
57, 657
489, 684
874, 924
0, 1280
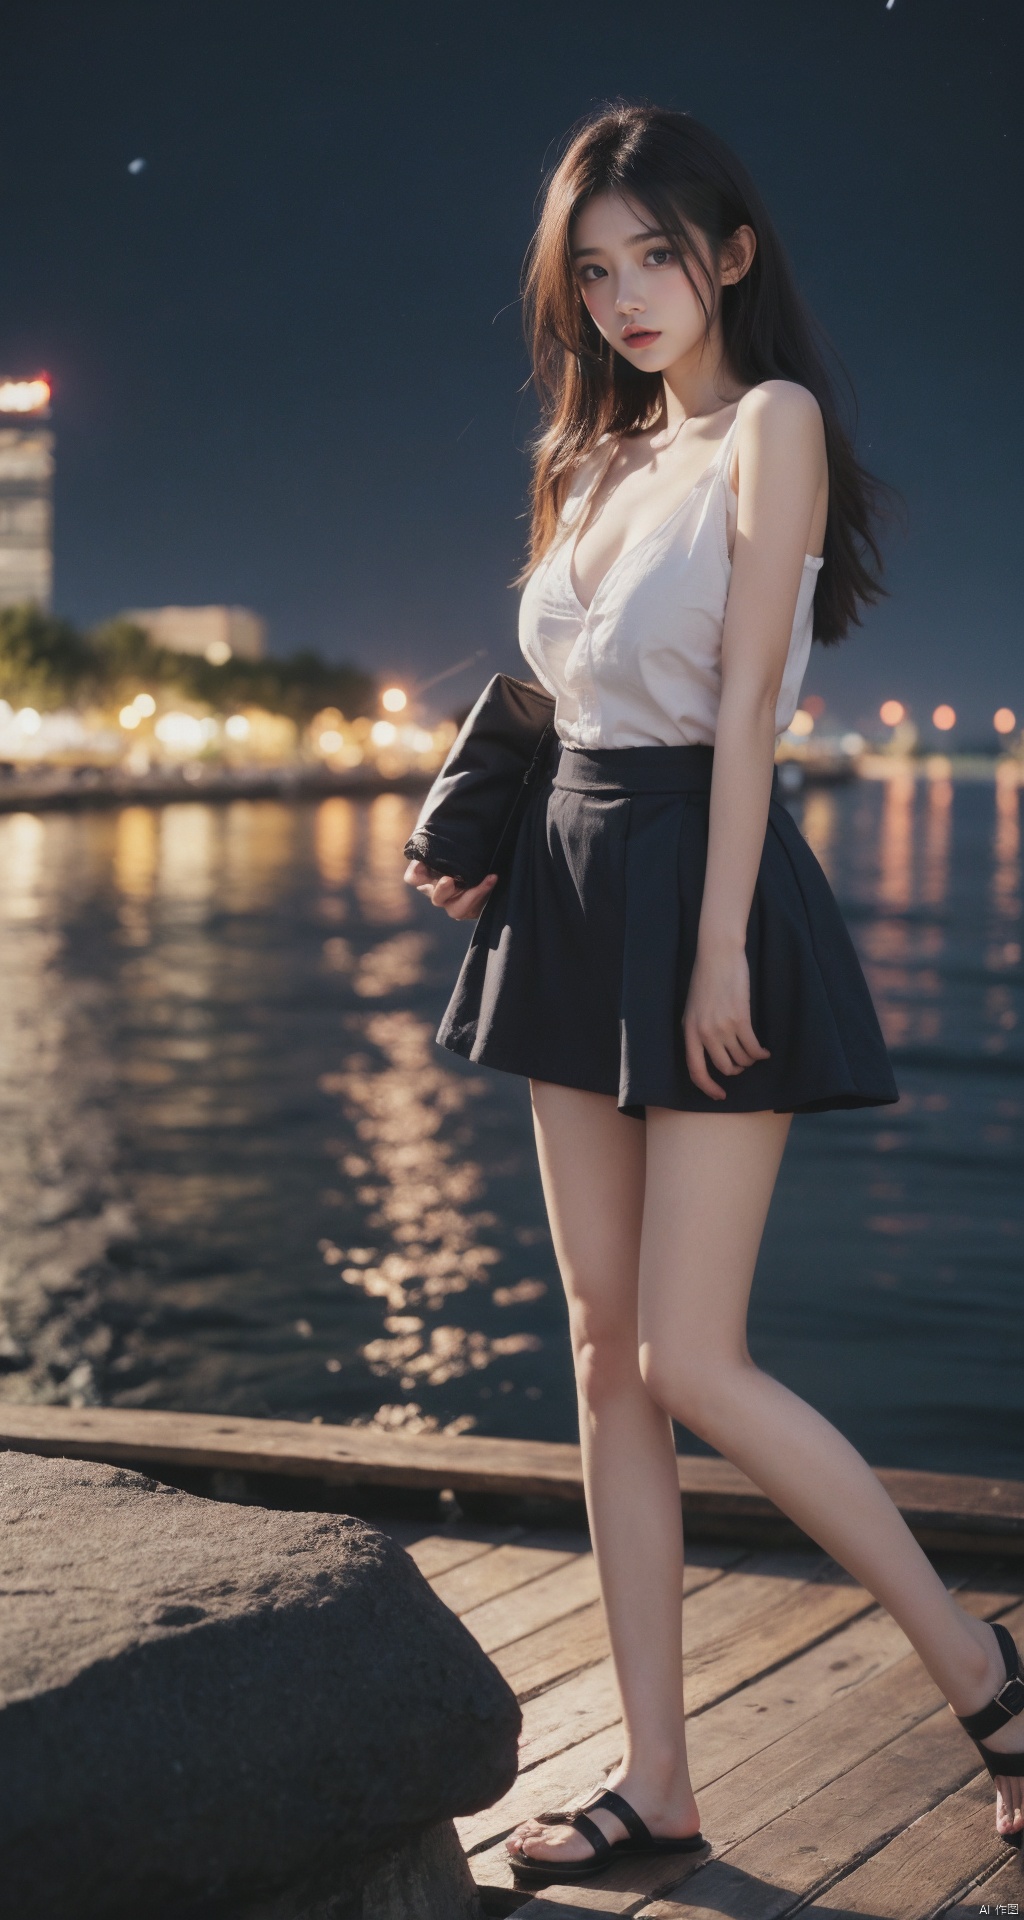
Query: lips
640, 336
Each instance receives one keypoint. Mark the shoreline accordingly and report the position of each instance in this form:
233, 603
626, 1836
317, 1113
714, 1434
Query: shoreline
99, 787
62, 792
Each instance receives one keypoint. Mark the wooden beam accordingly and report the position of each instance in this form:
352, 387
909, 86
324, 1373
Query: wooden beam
961, 1512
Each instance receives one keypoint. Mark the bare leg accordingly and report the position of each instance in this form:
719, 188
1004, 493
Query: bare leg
709, 1181
592, 1166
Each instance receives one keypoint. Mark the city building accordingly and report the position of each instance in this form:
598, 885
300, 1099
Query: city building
218, 633
26, 493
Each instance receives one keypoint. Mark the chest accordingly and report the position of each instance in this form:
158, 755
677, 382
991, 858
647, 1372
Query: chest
628, 507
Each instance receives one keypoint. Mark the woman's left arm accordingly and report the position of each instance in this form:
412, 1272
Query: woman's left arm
782, 466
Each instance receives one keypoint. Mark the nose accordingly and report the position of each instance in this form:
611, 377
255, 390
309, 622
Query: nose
628, 300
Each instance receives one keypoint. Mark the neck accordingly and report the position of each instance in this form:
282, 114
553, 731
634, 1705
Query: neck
699, 384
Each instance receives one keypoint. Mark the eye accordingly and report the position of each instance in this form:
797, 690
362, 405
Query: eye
659, 256
592, 271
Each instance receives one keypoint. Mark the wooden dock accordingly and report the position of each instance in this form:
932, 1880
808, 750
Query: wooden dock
832, 1779
950, 1511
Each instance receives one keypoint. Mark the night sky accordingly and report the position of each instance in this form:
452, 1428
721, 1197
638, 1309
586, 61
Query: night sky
288, 357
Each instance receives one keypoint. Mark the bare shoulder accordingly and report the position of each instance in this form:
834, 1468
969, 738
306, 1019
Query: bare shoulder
781, 412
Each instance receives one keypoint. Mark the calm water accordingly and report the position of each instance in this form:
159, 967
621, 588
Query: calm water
237, 1175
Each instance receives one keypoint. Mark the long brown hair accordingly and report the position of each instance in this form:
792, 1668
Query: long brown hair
687, 180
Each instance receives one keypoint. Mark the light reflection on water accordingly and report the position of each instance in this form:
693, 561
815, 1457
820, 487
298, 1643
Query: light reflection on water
238, 1175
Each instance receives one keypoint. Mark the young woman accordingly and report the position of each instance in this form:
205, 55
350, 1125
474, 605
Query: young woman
665, 959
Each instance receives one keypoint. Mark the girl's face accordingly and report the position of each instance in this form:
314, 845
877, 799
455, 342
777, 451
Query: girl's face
634, 289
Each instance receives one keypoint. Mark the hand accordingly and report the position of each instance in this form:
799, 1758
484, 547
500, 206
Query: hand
716, 1020
459, 903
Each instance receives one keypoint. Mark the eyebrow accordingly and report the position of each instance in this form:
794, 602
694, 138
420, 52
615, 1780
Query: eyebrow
649, 233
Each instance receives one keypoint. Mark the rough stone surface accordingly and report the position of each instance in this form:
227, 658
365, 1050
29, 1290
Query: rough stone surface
427, 1879
203, 1706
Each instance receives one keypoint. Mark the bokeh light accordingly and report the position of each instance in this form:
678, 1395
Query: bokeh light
802, 723
891, 712
944, 718
1004, 720
394, 700
383, 733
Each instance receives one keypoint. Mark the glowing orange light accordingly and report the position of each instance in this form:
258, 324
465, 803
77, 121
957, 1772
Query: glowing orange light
24, 396
1004, 720
802, 722
891, 712
944, 718
393, 699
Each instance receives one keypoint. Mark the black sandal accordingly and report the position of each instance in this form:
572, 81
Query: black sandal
542, 1873
1003, 1706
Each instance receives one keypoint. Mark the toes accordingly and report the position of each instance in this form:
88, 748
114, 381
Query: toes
1009, 1812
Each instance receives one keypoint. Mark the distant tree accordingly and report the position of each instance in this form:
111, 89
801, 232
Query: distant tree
44, 662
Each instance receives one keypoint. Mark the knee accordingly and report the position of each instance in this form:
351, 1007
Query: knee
696, 1388
604, 1350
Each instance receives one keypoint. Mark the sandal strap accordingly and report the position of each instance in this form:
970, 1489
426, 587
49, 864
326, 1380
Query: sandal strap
1008, 1701
1010, 1765
590, 1831
623, 1811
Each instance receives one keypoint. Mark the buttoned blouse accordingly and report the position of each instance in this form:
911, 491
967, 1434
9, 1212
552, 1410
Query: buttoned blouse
642, 665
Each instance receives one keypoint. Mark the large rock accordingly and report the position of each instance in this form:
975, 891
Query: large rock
208, 1709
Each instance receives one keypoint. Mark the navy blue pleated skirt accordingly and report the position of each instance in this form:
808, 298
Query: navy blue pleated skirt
578, 968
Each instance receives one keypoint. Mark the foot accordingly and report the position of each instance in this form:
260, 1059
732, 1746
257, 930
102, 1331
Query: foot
1008, 1739
670, 1813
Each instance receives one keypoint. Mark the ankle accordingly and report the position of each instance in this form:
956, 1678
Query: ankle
660, 1778
980, 1671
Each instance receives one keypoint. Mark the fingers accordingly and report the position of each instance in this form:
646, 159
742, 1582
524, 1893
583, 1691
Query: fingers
460, 903
469, 904
696, 1065
729, 1050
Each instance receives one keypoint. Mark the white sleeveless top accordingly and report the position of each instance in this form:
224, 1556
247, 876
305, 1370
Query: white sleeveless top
642, 666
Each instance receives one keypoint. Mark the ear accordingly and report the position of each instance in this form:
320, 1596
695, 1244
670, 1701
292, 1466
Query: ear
737, 254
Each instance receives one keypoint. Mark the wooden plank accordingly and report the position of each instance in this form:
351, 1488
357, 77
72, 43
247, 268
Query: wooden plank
837, 1785
739, 1728
437, 1553
948, 1509
857, 1811
787, 1861
1000, 1890
339, 1455
748, 1621
744, 1624
931, 1862
568, 1646
504, 1572
553, 1596
736, 1630
550, 1655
